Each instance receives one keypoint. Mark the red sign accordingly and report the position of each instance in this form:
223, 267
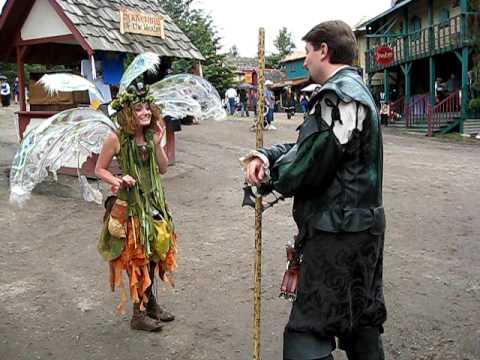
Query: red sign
384, 55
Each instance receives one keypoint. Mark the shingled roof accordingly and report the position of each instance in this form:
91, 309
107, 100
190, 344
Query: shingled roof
98, 22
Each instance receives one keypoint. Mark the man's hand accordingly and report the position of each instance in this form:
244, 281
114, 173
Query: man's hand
255, 171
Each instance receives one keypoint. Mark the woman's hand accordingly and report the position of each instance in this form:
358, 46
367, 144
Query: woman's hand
159, 133
127, 181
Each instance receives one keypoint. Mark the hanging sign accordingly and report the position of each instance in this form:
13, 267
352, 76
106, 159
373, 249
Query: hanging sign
384, 55
141, 23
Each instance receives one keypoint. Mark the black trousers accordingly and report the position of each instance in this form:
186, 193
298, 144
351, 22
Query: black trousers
361, 344
5, 100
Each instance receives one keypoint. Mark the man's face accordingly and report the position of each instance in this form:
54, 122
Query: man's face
315, 61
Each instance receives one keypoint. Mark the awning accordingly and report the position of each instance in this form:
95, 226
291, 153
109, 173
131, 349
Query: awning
387, 12
285, 83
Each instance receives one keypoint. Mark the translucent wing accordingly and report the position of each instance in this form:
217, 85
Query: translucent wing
65, 139
188, 95
144, 62
54, 83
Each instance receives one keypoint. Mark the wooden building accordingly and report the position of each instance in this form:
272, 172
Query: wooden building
423, 51
65, 32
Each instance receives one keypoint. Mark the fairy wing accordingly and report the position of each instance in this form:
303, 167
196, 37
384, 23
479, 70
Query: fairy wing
54, 83
188, 95
66, 138
142, 63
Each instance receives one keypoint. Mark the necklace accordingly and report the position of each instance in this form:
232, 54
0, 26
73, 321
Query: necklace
143, 151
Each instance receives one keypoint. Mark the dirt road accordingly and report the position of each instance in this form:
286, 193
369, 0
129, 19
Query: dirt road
55, 302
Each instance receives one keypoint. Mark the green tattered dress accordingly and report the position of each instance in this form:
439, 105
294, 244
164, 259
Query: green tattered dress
138, 231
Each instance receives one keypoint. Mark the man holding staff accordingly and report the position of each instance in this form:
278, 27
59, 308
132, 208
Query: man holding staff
334, 173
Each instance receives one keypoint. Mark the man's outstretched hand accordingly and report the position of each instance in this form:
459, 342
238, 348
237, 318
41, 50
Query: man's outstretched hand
255, 171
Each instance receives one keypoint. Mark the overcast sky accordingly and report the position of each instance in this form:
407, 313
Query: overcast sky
238, 21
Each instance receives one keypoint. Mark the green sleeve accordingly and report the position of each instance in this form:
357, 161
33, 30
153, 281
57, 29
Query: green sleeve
313, 167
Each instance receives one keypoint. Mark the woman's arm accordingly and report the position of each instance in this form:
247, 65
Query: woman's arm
162, 159
110, 148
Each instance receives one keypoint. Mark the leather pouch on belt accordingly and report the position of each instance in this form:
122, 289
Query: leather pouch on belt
117, 219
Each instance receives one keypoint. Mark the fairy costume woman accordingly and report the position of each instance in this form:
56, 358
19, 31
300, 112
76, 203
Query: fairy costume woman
138, 235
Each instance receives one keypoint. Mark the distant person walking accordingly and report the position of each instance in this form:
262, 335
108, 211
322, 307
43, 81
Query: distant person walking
5, 92
230, 96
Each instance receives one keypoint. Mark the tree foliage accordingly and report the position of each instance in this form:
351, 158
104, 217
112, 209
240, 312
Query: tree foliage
284, 45
284, 42
200, 29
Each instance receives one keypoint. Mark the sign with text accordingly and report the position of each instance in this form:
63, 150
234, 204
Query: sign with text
384, 55
141, 23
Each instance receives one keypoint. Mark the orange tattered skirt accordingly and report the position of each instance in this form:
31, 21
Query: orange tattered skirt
135, 263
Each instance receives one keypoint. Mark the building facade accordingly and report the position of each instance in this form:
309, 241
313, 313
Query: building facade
422, 51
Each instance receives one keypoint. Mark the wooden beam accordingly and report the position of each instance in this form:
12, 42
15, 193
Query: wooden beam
406, 69
6, 12
459, 56
72, 27
21, 77
46, 40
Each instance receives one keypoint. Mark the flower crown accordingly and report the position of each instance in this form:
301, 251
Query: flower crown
133, 95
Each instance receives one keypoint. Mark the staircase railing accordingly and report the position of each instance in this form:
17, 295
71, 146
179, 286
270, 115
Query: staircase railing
417, 110
396, 110
444, 111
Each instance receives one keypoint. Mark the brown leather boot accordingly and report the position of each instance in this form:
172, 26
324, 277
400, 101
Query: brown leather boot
155, 311
141, 320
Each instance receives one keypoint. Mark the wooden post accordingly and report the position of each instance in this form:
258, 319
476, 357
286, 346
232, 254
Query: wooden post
22, 120
464, 59
407, 72
406, 38
433, 77
465, 100
431, 34
386, 85
257, 300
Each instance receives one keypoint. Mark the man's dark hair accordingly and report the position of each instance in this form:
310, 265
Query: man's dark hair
342, 45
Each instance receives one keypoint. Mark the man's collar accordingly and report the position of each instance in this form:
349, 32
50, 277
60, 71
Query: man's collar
336, 71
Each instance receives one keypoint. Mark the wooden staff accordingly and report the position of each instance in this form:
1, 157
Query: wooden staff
258, 203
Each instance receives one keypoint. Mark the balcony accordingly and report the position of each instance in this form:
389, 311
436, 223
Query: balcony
453, 34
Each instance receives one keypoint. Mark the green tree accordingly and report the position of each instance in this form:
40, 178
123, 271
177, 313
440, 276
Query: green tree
284, 45
284, 42
10, 71
234, 51
199, 28
273, 61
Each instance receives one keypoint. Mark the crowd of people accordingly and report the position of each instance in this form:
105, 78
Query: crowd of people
241, 99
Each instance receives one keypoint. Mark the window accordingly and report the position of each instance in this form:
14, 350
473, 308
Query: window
416, 27
444, 18
293, 67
